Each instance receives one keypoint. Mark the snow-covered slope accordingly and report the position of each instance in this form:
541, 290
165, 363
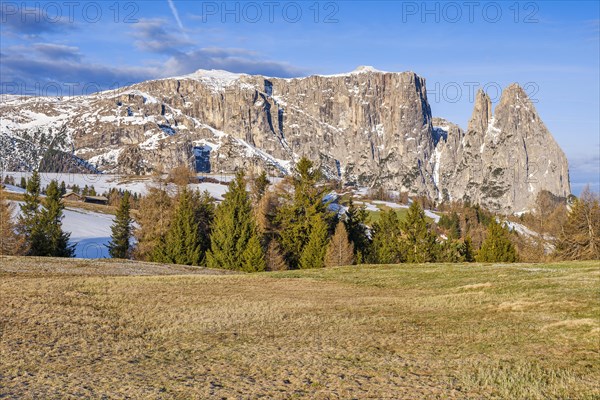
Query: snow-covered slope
365, 128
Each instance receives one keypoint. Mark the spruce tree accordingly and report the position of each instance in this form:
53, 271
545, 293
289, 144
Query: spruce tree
63, 188
313, 254
253, 257
497, 246
356, 220
418, 240
182, 242
340, 250
23, 183
30, 224
51, 216
235, 240
385, 246
299, 207
119, 246
259, 186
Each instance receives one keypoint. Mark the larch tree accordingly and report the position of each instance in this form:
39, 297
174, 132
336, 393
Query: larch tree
119, 246
340, 250
274, 257
580, 236
153, 220
9, 240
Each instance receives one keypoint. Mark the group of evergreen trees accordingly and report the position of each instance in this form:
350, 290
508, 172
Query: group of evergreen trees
40, 222
289, 226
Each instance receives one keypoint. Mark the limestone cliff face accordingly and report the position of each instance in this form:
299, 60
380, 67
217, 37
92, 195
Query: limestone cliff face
366, 128
504, 159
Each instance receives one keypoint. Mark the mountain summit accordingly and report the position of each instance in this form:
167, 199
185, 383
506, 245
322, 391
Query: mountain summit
365, 128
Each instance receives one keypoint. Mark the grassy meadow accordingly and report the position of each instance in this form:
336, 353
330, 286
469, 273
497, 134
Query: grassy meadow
69, 329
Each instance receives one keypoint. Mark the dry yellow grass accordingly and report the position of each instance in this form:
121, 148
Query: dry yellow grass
396, 332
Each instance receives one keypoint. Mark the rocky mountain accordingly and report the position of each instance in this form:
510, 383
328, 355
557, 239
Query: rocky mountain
365, 128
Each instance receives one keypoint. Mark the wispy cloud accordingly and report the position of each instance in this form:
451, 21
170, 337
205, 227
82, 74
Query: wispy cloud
185, 57
176, 16
152, 36
61, 70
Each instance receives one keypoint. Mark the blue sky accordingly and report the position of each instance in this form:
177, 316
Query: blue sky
549, 47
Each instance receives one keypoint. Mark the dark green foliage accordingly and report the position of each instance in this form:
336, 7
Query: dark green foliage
52, 215
418, 240
313, 254
23, 183
451, 224
63, 188
182, 244
253, 256
356, 220
29, 225
300, 208
235, 241
260, 184
119, 246
497, 246
455, 250
386, 234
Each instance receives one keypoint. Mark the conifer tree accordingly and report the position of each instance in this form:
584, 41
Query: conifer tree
51, 217
23, 183
468, 252
29, 225
182, 242
154, 220
9, 241
580, 236
340, 250
235, 240
274, 258
63, 188
385, 246
356, 220
300, 206
259, 186
497, 246
418, 241
313, 254
119, 246
253, 256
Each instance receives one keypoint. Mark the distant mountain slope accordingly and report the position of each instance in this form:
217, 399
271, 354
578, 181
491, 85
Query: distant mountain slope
365, 127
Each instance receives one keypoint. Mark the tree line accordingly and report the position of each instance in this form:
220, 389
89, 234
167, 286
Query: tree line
260, 226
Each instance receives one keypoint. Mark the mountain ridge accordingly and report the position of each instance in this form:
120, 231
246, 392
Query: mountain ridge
365, 127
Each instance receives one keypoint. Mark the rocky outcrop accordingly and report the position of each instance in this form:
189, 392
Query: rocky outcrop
365, 128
